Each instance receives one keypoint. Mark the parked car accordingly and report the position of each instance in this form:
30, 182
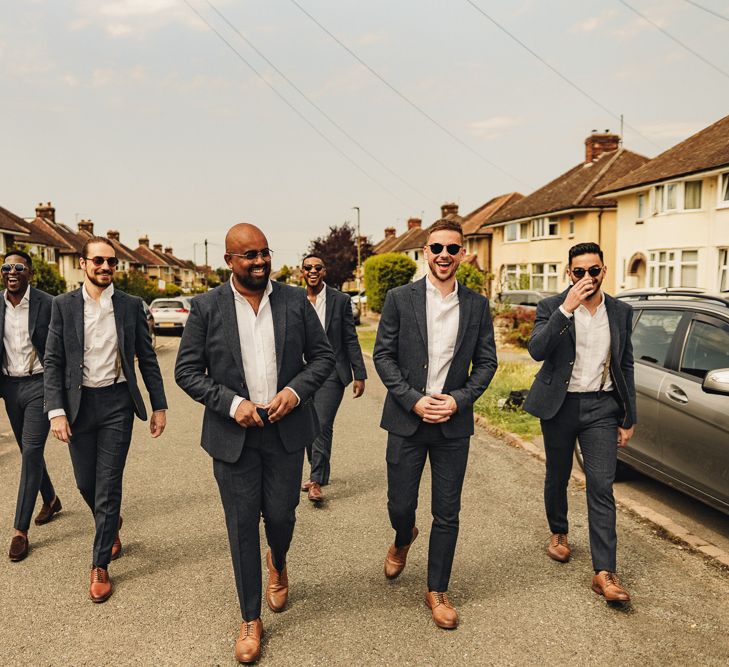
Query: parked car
523, 297
170, 314
356, 312
150, 323
681, 350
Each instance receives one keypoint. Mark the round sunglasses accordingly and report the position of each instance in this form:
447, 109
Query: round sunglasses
579, 272
452, 248
19, 268
99, 261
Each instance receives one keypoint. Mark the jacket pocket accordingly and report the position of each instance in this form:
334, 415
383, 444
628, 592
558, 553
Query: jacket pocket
546, 378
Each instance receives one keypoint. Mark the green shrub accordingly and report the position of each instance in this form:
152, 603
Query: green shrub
46, 277
173, 290
469, 276
136, 283
382, 273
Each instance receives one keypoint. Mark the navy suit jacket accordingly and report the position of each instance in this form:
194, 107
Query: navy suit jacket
553, 342
342, 335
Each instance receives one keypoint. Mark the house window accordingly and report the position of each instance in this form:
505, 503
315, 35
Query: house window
671, 197
517, 231
689, 268
543, 228
692, 195
516, 276
572, 225
724, 269
658, 199
673, 268
641, 206
724, 189
544, 277
661, 268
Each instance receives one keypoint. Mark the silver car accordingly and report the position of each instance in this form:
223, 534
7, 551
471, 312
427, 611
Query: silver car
681, 351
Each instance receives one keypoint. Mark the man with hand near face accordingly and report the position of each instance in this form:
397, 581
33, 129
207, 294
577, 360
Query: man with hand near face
435, 354
24, 316
91, 393
253, 353
584, 391
334, 310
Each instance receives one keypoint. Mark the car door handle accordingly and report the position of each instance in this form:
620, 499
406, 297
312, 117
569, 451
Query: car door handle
677, 394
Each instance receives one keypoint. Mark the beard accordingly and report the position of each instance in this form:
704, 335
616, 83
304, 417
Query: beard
95, 279
254, 283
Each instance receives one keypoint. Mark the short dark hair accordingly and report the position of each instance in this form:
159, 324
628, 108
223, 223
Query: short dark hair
96, 239
584, 249
313, 254
20, 253
446, 225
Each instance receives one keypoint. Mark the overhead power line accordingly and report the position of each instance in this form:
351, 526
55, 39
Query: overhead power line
316, 106
292, 107
564, 78
404, 97
707, 10
675, 39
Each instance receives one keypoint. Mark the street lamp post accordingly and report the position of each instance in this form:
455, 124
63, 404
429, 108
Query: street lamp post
359, 259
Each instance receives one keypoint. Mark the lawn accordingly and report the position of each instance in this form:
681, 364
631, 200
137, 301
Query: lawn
367, 338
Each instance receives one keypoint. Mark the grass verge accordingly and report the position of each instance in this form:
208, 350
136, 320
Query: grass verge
367, 338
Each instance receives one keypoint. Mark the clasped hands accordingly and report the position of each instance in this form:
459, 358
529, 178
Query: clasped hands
281, 404
435, 409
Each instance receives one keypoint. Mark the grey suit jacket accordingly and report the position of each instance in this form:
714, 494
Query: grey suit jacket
401, 358
210, 366
553, 342
342, 335
64, 361
39, 316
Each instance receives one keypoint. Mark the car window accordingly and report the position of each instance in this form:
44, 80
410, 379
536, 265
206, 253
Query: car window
168, 304
653, 333
707, 348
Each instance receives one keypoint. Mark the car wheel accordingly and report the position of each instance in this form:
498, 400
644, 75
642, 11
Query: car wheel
622, 470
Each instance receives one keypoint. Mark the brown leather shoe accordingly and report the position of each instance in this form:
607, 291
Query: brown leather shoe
607, 584
315, 494
444, 615
47, 511
248, 645
277, 589
558, 548
18, 548
101, 587
397, 557
305, 486
116, 548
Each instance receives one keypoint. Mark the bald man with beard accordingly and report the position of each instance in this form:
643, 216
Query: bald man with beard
253, 352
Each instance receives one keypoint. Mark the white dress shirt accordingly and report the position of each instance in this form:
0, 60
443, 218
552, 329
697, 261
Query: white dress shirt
320, 306
442, 316
16, 340
592, 343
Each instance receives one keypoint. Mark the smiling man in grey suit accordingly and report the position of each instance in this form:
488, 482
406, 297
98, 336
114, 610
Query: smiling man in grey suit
435, 354
334, 310
584, 391
91, 393
253, 353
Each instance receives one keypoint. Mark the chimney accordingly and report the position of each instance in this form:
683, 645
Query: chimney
448, 209
157, 247
144, 241
390, 232
598, 143
168, 251
46, 211
86, 226
414, 222
113, 235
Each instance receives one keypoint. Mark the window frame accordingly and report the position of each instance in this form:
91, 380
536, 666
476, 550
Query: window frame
700, 183
674, 265
673, 353
693, 316
518, 226
722, 186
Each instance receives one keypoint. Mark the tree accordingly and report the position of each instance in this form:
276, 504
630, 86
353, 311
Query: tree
136, 283
284, 274
46, 277
469, 276
338, 250
223, 273
382, 273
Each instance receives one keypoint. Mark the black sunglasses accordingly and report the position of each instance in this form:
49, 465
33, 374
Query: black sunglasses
19, 268
594, 271
99, 261
312, 267
452, 248
250, 255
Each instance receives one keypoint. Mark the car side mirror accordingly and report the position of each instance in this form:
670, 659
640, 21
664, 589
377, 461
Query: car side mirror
716, 382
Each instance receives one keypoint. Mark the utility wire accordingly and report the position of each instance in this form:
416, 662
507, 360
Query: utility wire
316, 106
675, 39
404, 97
293, 108
707, 10
568, 81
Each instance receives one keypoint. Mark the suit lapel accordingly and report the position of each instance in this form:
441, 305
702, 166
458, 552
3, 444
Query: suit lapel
417, 295
278, 311
613, 322
571, 329
329, 308
118, 304
465, 306
32, 313
226, 304
77, 311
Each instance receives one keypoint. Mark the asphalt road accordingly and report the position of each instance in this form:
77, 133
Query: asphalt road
175, 601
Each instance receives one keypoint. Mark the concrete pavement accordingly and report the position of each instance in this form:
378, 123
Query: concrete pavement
175, 601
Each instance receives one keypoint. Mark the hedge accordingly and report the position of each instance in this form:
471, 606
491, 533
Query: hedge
382, 273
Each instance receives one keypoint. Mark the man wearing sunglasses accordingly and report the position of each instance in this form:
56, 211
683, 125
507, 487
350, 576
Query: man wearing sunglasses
334, 309
24, 316
253, 353
584, 392
435, 354
91, 393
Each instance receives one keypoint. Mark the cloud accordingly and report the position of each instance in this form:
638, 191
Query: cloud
490, 128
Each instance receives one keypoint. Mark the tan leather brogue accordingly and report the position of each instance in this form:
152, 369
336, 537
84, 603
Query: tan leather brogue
248, 645
305, 486
116, 548
315, 494
444, 614
608, 585
558, 548
277, 589
397, 557
101, 588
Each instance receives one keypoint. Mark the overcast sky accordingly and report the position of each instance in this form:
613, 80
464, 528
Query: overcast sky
135, 114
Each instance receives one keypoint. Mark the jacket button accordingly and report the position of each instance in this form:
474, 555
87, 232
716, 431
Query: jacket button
425, 365
422, 389
572, 363
566, 381
79, 386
